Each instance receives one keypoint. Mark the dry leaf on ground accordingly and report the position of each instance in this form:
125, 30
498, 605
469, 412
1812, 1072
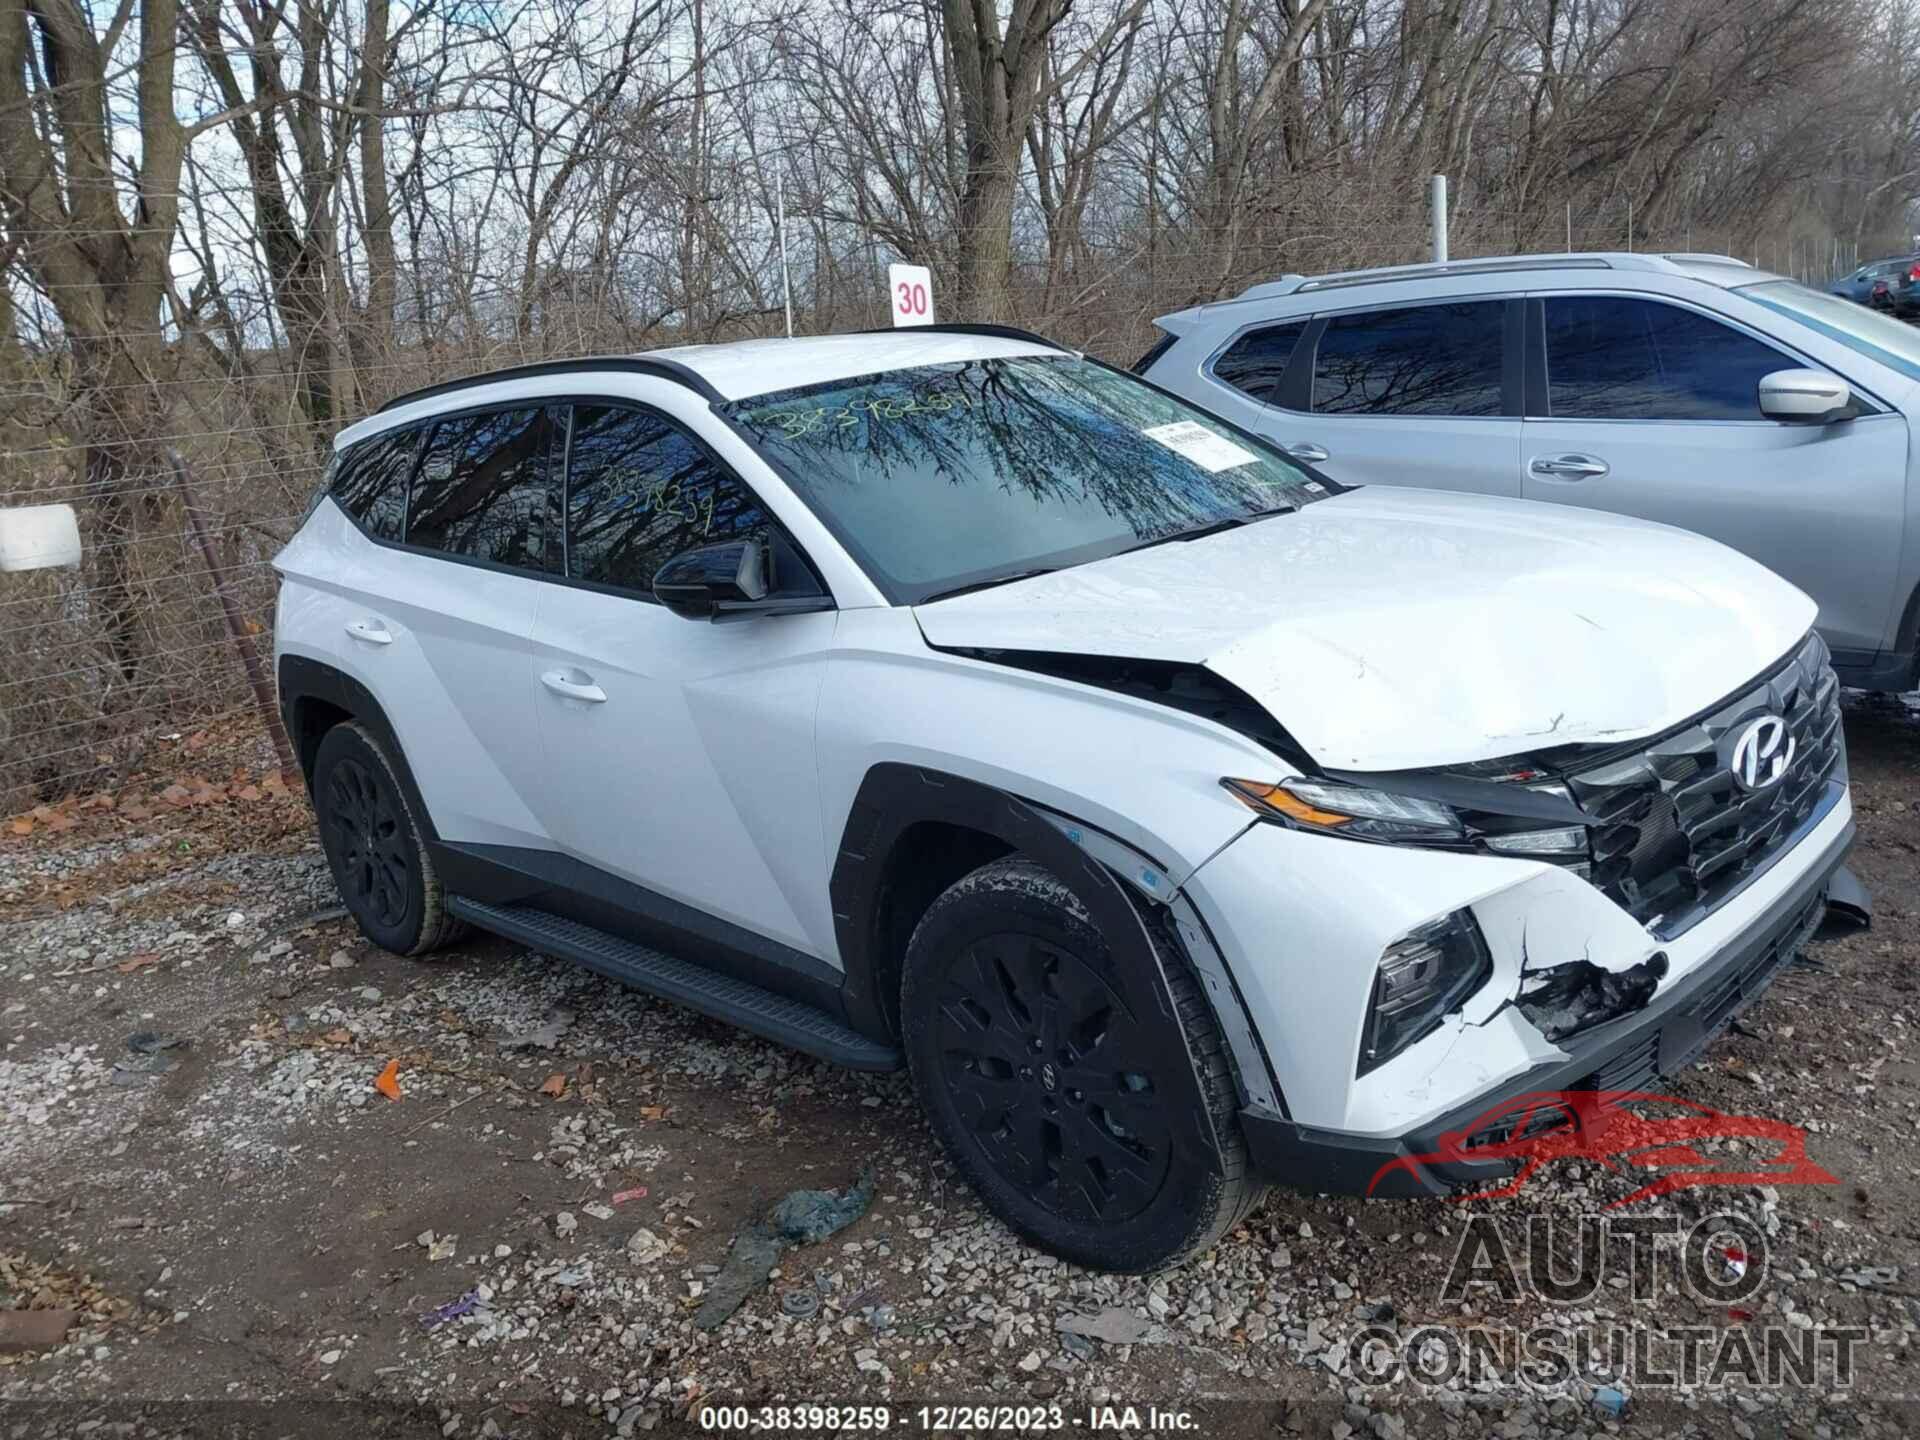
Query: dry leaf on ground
389, 1082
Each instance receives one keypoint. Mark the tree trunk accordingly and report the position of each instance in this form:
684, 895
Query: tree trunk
376, 200
985, 268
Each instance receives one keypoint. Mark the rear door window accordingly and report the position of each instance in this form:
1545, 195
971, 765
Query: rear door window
1418, 360
484, 486
370, 482
1615, 358
1254, 363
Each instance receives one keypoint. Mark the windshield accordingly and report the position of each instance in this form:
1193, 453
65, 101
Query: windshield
1878, 337
947, 476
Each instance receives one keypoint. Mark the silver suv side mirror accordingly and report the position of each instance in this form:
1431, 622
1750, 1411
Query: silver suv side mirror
1805, 397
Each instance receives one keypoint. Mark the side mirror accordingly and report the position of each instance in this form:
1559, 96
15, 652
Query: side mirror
1805, 397
697, 583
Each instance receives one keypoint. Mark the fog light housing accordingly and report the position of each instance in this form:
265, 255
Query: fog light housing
1424, 975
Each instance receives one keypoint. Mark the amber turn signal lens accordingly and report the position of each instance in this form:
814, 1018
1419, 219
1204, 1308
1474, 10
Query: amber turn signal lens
1259, 796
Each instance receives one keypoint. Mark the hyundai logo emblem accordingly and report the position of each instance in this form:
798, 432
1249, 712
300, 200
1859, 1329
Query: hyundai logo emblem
1761, 754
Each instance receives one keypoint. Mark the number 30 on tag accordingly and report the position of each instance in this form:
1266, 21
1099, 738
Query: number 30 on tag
911, 287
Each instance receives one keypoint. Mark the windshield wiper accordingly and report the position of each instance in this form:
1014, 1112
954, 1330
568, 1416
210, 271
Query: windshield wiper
986, 584
1200, 532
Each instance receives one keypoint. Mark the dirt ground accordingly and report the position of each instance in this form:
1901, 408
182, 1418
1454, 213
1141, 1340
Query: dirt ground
261, 1241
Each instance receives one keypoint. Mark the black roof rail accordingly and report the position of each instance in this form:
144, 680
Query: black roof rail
957, 327
655, 366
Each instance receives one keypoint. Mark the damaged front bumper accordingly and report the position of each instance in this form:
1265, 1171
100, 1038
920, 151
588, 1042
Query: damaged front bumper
1629, 1052
1579, 992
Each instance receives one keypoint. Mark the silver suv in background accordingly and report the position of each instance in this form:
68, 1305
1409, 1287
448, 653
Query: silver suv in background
1689, 389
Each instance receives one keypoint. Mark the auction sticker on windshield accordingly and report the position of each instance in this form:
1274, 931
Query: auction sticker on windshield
1212, 452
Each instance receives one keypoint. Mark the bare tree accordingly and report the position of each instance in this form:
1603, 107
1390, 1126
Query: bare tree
1001, 74
94, 231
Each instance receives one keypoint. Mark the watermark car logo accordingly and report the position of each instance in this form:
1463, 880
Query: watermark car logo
1663, 1141
1761, 754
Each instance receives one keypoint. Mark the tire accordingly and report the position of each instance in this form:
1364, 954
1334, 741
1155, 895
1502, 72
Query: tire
1089, 1102
380, 865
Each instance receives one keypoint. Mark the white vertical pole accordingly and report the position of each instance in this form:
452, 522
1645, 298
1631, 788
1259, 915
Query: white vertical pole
1569, 227
1437, 192
780, 219
1629, 225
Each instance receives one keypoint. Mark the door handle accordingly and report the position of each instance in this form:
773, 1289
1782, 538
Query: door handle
371, 631
1306, 450
561, 683
1569, 467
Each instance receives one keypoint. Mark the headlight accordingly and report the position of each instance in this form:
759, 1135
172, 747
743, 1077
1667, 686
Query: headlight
1334, 807
1349, 810
1560, 843
1423, 976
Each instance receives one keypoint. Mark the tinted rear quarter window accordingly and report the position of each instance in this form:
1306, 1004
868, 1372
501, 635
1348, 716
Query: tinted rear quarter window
1614, 358
639, 492
482, 491
1254, 363
1420, 360
370, 482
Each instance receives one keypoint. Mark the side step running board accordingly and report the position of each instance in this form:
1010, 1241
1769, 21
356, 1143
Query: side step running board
793, 1023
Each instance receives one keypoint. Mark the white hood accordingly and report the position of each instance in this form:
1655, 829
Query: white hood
1389, 629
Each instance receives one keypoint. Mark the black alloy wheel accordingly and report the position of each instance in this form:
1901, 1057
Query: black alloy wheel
380, 861
372, 842
1082, 1087
1054, 1077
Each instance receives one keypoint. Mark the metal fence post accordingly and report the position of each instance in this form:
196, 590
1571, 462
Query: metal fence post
236, 627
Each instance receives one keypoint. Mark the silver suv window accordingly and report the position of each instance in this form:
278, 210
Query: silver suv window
1416, 360
1610, 357
1255, 363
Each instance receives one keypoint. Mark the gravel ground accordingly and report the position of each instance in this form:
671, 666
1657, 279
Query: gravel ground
261, 1241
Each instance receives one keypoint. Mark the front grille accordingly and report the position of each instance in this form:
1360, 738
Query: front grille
1700, 1021
1635, 1068
1672, 836
1683, 1033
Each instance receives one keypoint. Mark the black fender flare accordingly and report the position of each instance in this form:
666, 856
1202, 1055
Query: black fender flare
301, 679
893, 799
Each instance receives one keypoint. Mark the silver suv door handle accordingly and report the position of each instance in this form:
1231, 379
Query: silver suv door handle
371, 631
1306, 450
583, 688
1569, 467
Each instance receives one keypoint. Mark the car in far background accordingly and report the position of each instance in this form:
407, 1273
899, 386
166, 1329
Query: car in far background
1689, 389
1891, 285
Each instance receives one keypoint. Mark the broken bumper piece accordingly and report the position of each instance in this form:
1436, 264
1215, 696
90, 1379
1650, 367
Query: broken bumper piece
1628, 1052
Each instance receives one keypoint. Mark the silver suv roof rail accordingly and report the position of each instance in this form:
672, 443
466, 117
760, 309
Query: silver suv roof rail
1456, 267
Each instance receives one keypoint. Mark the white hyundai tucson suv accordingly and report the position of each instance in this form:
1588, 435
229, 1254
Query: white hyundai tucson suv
1181, 819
